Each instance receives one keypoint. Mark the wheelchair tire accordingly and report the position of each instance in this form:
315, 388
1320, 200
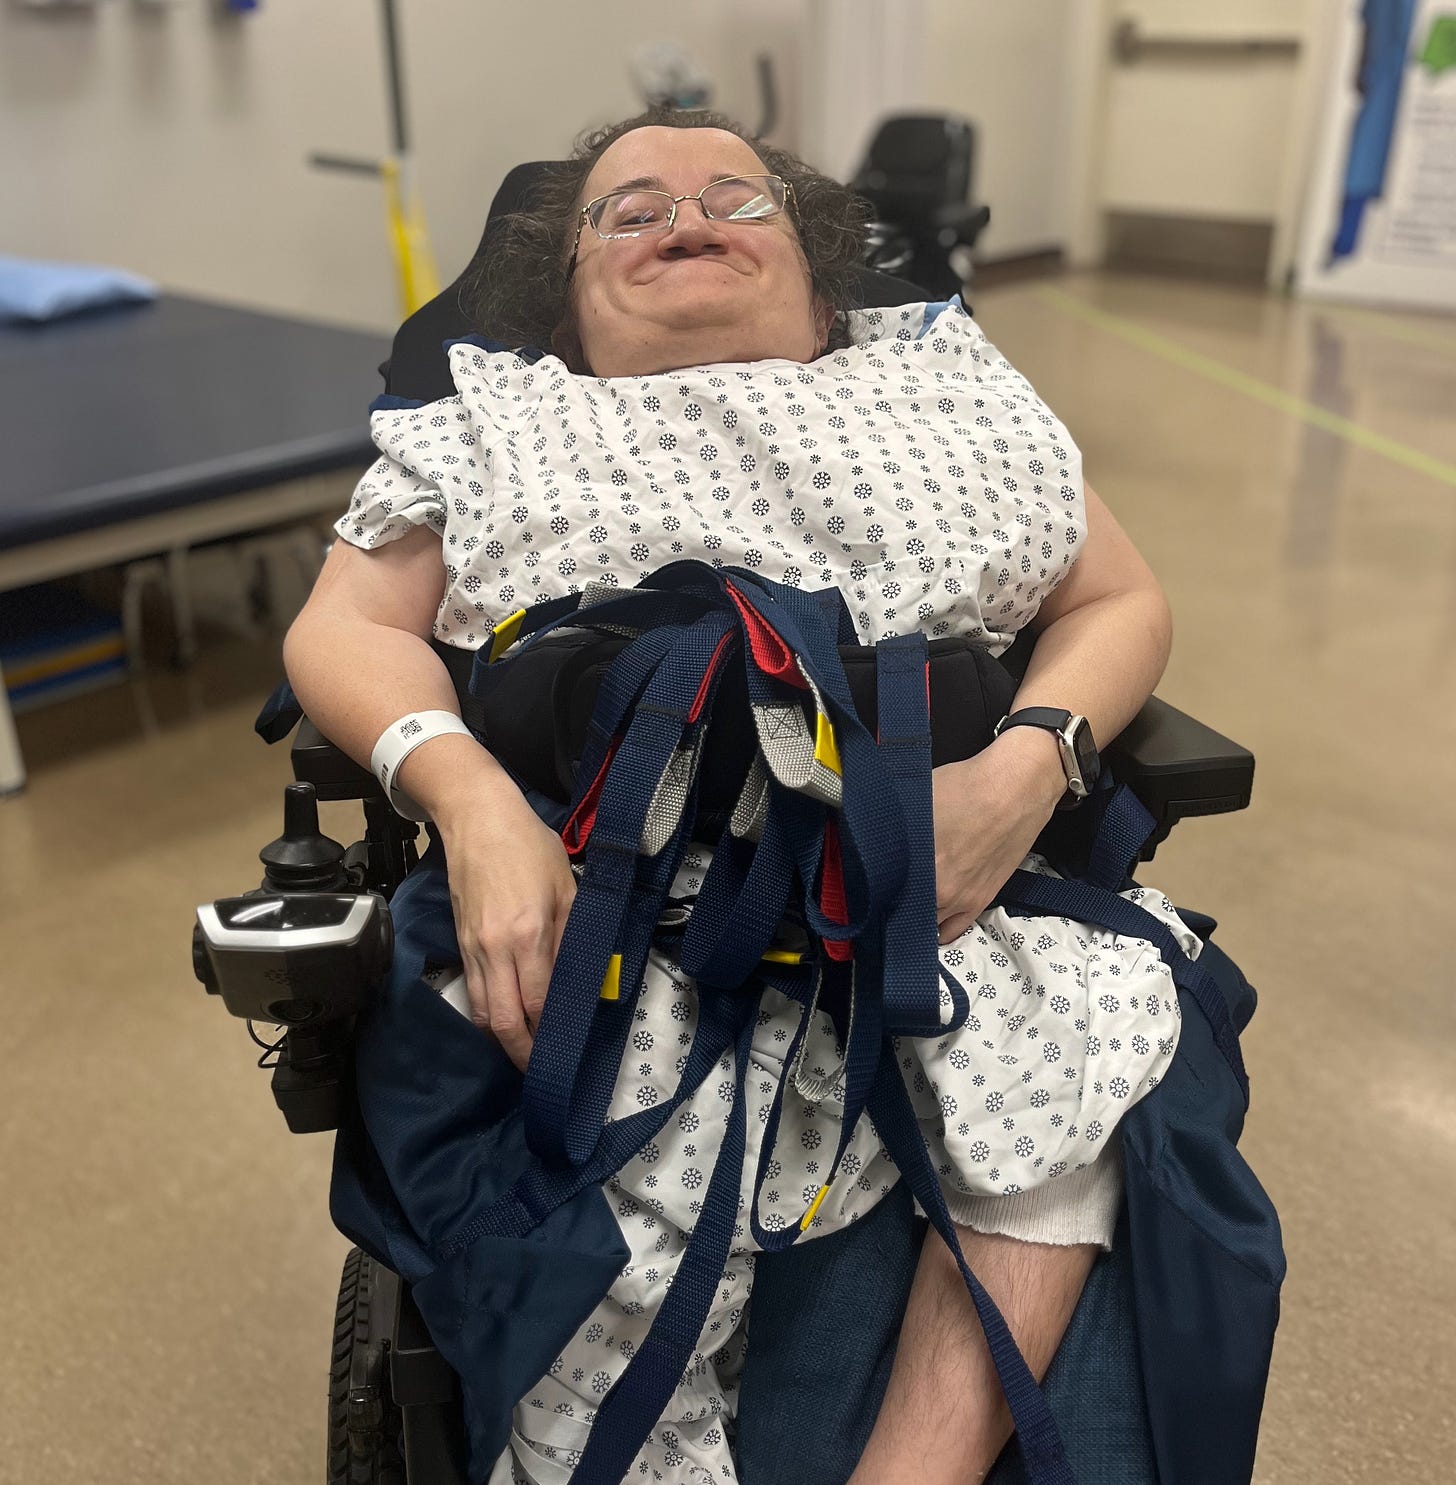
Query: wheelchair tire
364, 1423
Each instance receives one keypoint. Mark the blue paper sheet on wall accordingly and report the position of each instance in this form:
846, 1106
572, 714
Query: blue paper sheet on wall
1383, 55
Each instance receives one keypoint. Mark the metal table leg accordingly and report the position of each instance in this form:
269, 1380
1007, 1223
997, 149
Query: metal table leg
12, 765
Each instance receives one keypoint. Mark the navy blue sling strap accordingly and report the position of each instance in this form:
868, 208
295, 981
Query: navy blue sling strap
831, 837
839, 848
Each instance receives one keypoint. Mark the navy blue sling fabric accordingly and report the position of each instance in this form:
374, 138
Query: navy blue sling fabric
438, 1135
484, 1190
1206, 1251
1208, 1258
874, 833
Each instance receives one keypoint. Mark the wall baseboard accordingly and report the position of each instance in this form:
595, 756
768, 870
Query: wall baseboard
1206, 247
1010, 268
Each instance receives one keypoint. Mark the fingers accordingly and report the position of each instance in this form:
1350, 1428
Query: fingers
511, 899
533, 974
493, 986
959, 901
507, 1018
536, 962
517, 959
951, 928
957, 907
499, 1005
476, 992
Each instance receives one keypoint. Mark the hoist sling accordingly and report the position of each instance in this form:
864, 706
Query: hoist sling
840, 832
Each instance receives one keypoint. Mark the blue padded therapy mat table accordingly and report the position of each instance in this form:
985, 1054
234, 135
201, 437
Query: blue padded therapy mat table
151, 427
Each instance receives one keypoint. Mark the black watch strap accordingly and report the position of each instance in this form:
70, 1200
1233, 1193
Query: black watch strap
1075, 746
1054, 718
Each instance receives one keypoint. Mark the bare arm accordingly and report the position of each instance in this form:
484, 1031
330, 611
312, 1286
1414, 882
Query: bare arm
1103, 637
359, 658
359, 654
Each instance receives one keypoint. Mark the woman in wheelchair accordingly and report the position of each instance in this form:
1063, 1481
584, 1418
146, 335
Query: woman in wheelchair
709, 395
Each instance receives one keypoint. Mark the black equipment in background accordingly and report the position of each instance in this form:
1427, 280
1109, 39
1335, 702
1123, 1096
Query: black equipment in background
918, 175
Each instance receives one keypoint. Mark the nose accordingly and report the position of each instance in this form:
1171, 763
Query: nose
692, 231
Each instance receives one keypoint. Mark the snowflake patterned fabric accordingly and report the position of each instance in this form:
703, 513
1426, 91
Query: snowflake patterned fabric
1068, 1027
918, 472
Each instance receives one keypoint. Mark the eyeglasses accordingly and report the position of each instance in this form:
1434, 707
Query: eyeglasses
739, 198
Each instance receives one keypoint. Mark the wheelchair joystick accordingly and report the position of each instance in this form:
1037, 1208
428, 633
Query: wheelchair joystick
308, 951
302, 859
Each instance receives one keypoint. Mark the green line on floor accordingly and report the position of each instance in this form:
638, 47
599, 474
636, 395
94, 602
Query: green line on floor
1249, 386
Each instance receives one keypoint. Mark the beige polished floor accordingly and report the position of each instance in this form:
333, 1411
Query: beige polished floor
1289, 470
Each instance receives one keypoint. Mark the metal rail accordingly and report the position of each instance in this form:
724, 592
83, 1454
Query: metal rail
1130, 43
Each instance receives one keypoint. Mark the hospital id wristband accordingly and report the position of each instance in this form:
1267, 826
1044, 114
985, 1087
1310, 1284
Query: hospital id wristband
398, 741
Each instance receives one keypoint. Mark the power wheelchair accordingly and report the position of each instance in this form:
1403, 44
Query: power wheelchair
394, 1403
918, 175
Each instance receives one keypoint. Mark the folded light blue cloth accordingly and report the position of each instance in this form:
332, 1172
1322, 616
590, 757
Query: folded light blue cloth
34, 290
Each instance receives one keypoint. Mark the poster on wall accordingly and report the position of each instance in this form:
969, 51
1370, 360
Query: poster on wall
1381, 217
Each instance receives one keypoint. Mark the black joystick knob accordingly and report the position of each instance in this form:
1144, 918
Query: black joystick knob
302, 859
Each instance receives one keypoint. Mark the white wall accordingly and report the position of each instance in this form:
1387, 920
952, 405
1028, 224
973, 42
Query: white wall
1201, 137
862, 59
172, 140
1006, 64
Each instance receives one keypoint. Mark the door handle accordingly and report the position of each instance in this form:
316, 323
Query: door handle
1130, 43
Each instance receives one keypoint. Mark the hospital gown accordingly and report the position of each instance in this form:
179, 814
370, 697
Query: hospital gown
917, 471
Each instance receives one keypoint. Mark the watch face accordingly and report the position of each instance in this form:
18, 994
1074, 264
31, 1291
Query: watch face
1086, 751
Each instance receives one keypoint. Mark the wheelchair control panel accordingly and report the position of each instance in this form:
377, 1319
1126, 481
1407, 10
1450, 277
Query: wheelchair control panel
306, 951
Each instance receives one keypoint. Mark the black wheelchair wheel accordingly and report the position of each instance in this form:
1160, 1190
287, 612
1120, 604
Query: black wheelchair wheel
364, 1423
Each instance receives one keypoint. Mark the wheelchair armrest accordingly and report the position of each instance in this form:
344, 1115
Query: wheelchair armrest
333, 774
965, 222
1179, 767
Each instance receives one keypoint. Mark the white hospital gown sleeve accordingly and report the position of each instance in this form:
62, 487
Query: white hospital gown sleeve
430, 457
1023, 511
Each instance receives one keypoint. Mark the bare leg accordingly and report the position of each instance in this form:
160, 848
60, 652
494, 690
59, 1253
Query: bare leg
944, 1419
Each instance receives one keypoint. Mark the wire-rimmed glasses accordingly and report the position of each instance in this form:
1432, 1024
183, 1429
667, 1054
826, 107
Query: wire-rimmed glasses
635, 212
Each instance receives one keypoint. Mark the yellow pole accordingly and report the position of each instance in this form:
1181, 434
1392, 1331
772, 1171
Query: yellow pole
409, 239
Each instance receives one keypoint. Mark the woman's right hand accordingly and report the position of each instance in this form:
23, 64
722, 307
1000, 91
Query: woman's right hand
359, 658
511, 888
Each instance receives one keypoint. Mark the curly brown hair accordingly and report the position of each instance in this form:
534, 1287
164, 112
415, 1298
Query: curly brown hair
517, 291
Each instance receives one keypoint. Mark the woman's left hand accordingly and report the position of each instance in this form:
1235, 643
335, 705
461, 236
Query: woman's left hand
989, 811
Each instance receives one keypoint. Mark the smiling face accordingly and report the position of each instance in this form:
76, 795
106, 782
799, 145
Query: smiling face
702, 292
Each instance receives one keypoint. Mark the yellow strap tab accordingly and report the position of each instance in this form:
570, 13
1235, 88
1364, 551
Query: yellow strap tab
814, 1206
612, 980
782, 956
503, 636
826, 749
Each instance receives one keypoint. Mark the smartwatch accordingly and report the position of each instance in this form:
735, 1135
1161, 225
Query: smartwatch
1080, 761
